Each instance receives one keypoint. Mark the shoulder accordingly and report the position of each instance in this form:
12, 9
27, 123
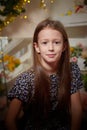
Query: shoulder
22, 87
26, 76
77, 82
25, 80
75, 70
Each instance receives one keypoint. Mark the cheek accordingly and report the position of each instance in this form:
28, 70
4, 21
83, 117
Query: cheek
59, 50
59, 53
42, 49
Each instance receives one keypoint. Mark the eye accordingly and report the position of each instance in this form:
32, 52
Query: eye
57, 42
44, 42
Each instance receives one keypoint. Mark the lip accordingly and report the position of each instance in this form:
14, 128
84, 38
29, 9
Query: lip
51, 55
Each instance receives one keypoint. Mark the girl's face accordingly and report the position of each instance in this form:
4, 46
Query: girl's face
49, 46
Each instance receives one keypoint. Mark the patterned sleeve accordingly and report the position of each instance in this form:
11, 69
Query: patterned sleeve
20, 90
77, 82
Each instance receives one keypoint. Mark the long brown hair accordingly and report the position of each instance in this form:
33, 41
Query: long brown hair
42, 84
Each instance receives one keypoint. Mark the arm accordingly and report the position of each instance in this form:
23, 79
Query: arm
12, 114
76, 111
84, 100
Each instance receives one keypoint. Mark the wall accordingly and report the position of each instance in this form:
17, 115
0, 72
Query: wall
60, 7
76, 34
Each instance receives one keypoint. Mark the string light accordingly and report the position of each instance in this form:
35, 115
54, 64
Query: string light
43, 4
18, 9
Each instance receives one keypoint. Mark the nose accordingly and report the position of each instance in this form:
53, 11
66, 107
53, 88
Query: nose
51, 47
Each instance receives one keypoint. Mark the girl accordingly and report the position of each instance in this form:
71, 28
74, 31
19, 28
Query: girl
49, 91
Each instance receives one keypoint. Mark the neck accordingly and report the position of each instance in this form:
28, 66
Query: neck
50, 69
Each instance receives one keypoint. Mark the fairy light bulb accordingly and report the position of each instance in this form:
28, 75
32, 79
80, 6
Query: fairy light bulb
43, 4
52, 1
0, 61
25, 1
8, 22
28, 1
25, 17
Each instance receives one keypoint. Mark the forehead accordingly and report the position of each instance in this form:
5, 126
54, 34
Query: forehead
49, 32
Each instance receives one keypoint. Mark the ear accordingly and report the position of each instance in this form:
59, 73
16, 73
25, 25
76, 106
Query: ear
36, 47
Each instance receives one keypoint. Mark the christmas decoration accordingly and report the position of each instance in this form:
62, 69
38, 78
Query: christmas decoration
10, 9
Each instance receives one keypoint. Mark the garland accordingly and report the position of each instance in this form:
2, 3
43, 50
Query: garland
10, 9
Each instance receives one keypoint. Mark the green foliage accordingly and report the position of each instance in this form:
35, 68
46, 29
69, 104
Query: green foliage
8, 7
76, 51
